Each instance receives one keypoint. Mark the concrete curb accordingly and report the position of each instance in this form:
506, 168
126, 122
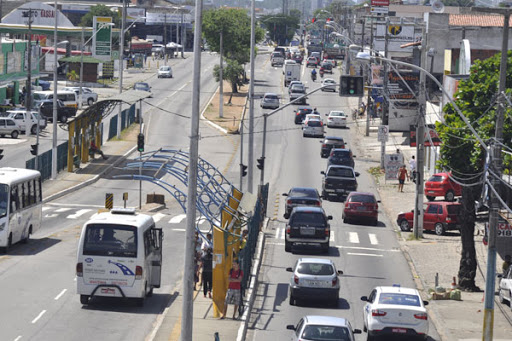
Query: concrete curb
90, 181
216, 126
242, 331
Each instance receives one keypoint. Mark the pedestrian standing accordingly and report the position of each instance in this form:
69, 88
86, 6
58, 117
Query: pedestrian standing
402, 174
233, 295
207, 243
412, 168
506, 264
206, 276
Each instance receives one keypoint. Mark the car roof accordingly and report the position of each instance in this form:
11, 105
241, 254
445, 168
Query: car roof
361, 193
308, 209
398, 290
444, 202
304, 108
315, 260
345, 150
326, 320
334, 138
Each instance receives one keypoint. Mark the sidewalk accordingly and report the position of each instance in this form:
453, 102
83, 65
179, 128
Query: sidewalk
454, 320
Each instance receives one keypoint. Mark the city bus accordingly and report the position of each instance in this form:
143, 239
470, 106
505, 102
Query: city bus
20, 205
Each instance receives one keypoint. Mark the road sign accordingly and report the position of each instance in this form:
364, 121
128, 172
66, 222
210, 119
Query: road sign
380, 9
109, 200
383, 134
392, 163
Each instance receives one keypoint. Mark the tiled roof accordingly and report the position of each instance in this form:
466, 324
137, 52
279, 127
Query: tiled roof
477, 20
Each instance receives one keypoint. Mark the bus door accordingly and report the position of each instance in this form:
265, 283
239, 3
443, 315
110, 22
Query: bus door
156, 262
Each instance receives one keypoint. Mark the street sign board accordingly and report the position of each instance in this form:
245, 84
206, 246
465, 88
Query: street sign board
400, 90
380, 9
392, 163
397, 36
383, 133
102, 38
380, 3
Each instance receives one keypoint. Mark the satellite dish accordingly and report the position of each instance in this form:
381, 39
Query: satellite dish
438, 6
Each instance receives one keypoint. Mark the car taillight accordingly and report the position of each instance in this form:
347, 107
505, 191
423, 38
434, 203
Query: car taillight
331, 154
421, 316
448, 219
288, 202
321, 124
318, 203
288, 230
138, 272
296, 279
377, 312
326, 232
334, 282
79, 269
324, 145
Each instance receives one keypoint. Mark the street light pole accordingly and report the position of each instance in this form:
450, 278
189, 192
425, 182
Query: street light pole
385, 104
121, 50
250, 162
221, 78
81, 69
55, 85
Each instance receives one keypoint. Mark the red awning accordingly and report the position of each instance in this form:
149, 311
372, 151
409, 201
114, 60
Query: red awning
49, 49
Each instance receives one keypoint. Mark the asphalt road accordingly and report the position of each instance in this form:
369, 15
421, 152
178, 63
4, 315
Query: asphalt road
39, 300
368, 255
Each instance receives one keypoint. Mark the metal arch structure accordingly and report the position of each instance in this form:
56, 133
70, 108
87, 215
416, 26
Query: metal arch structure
214, 191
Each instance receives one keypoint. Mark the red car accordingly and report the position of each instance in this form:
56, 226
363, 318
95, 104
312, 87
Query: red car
361, 206
439, 216
440, 185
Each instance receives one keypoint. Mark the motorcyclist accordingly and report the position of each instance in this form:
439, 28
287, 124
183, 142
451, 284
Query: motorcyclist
313, 74
322, 71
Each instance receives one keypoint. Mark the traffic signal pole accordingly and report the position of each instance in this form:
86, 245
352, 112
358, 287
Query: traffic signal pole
385, 106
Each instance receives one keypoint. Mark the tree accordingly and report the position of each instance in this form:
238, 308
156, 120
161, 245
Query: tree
281, 27
100, 11
232, 72
464, 156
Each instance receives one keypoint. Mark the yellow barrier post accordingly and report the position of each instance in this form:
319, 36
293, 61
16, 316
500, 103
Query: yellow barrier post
71, 131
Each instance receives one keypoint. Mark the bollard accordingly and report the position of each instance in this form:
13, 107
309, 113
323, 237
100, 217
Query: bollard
436, 280
217, 338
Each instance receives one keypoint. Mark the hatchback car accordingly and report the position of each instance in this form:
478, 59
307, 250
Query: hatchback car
395, 311
141, 86
291, 84
314, 128
296, 91
270, 101
327, 67
505, 287
323, 328
165, 71
312, 61
329, 143
341, 157
297, 57
330, 84
301, 196
307, 226
439, 216
336, 118
300, 114
9, 127
314, 279
441, 185
361, 206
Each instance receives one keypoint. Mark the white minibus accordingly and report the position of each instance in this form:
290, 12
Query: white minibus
20, 205
119, 255
69, 98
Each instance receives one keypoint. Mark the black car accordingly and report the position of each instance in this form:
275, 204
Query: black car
308, 225
341, 157
63, 112
301, 196
300, 114
327, 67
338, 182
329, 143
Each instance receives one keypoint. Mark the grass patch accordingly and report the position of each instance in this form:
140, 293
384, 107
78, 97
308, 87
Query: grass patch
128, 134
411, 237
376, 172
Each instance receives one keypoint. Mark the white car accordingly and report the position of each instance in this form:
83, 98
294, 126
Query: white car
89, 97
323, 328
336, 118
505, 287
313, 128
312, 117
292, 83
331, 83
165, 71
270, 101
395, 311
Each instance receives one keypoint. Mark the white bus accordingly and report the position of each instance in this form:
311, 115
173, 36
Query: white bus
119, 255
20, 205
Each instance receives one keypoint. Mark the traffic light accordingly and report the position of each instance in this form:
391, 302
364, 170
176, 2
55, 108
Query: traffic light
313, 20
261, 163
351, 86
33, 148
140, 142
1, 152
243, 169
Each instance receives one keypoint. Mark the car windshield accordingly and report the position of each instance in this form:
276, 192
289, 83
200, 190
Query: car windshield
4, 199
341, 154
141, 86
326, 333
436, 178
165, 68
314, 123
453, 209
399, 299
297, 88
315, 269
337, 113
342, 172
332, 141
303, 192
39, 97
271, 97
308, 218
305, 111
110, 240
362, 198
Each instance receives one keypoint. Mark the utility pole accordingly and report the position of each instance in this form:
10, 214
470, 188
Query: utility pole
221, 76
369, 83
496, 166
28, 94
55, 84
121, 51
183, 35
385, 104
250, 162
80, 92
187, 312
420, 142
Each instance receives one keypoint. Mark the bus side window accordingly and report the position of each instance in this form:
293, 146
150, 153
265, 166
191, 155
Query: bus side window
147, 242
14, 199
37, 190
22, 196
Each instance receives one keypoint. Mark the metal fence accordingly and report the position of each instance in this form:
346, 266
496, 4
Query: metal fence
44, 161
127, 118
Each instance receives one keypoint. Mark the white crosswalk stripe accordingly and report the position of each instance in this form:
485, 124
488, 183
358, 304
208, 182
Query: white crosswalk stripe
63, 209
177, 219
158, 216
373, 239
78, 214
353, 237
46, 208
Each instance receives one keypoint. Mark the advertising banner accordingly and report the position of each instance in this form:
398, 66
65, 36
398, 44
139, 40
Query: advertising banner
430, 129
167, 18
397, 36
392, 163
398, 89
102, 38
132, 14
380, 2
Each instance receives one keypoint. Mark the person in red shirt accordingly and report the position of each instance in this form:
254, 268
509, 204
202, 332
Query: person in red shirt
233, 295
402, 174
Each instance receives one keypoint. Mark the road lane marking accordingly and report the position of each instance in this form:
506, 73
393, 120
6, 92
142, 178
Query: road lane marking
51, 215
364, 254
177, 219
46, 208
60, 295
331, 237
353, 237
78, 214
18, 338
157, 217
73, 205
64, 209
38, 316
373, 239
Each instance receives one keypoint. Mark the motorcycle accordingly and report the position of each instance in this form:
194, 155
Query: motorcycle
313, 76
322, 72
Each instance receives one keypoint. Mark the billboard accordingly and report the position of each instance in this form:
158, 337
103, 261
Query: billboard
102, 38
399, 90
153, 18
397, 36
430, 129
132, 14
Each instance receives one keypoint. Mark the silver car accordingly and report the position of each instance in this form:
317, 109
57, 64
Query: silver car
320, 328
505, 287
315, 279
9, 127
270, 101
313, 127
89, 97
165, 71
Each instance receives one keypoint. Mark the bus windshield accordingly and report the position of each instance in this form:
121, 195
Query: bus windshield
110, 240
4, 199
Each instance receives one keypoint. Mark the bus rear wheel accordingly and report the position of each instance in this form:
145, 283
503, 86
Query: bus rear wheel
25, 241
84, 299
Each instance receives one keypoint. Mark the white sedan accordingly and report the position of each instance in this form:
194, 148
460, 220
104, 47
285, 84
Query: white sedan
336, 118
395, 311
330, 83
89, 97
